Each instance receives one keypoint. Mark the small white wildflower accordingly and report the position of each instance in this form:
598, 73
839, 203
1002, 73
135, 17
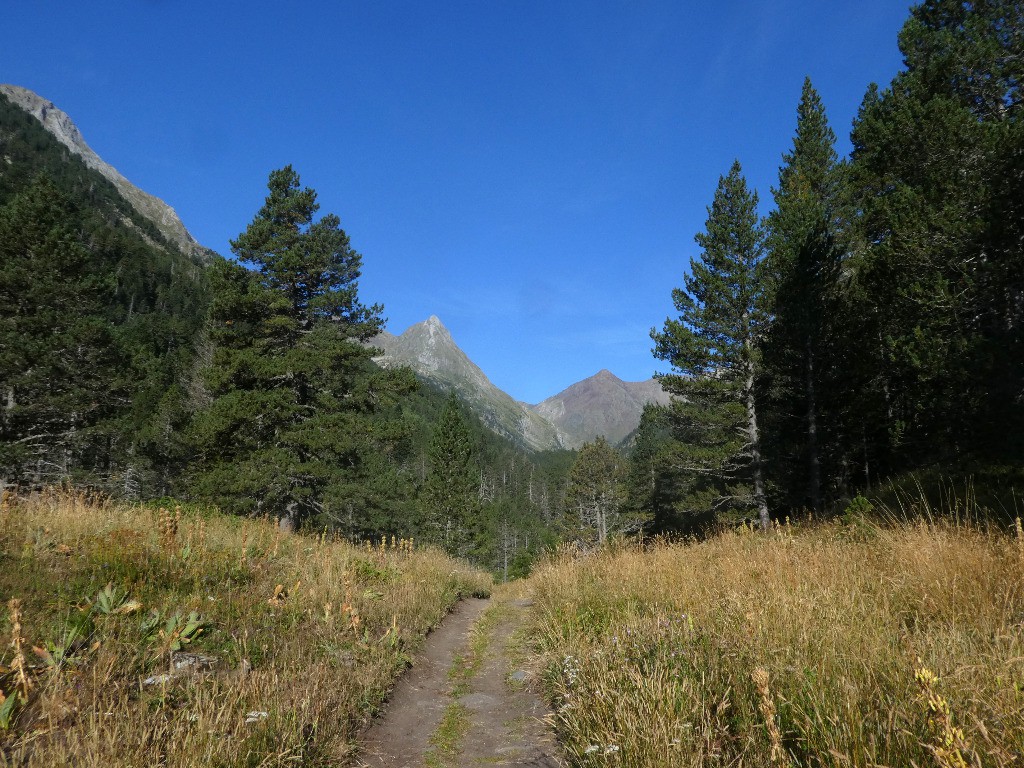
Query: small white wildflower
611, 749
571, 669
591, 749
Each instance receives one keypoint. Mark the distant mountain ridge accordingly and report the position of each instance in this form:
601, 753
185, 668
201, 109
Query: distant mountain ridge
601, 405
60, 125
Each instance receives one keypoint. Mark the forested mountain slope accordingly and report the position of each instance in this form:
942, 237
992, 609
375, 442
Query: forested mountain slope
101, 313
61, 127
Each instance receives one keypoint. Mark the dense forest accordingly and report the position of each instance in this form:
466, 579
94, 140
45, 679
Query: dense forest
867, 327
871, 324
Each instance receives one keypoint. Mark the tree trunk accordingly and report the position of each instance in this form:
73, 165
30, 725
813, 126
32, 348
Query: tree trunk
813, 458
290, 519
867, 463
754, 439
504, 551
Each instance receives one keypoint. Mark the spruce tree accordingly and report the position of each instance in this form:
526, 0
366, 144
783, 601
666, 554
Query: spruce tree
451, 504
289, 428
650, 483
712, 347
802, 270
93, 280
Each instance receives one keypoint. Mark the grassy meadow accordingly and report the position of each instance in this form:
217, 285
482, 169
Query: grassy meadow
141, 636
826, 645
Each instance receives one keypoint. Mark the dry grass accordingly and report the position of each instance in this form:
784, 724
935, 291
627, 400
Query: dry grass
861, 646
304, 635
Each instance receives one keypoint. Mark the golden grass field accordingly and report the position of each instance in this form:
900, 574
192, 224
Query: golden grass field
827, 645
294, 640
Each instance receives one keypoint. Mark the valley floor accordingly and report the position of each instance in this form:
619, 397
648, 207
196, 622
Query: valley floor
141, 636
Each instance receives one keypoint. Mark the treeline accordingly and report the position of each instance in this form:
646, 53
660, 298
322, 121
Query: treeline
871, 324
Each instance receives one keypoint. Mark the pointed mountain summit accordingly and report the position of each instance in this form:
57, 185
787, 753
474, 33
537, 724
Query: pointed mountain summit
603, 405
60, 126
428, 348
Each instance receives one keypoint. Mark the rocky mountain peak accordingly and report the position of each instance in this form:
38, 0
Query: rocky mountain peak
602, 405
433, 330
60, 125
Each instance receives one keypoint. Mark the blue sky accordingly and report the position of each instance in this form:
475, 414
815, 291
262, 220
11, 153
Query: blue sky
531, 172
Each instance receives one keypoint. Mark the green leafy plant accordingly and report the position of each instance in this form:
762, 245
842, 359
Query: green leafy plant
112, 601
176, 631
8, 709
73, 640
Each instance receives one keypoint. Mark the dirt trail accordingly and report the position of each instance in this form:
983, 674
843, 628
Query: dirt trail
462, 705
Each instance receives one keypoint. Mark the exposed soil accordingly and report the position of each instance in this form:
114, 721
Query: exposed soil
502, 718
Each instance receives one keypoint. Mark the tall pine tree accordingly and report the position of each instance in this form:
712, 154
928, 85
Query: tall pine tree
57, 354
713, 349
938, 278
290, 427
802, 271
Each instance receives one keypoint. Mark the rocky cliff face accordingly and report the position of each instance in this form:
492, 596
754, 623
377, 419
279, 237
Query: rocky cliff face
601, 405
66, 132
428, 348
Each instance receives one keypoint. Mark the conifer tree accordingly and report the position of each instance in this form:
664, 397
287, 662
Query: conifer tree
650, 483
712, 347
802, 269
451, 491
124, 304
57, 357
289, 429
